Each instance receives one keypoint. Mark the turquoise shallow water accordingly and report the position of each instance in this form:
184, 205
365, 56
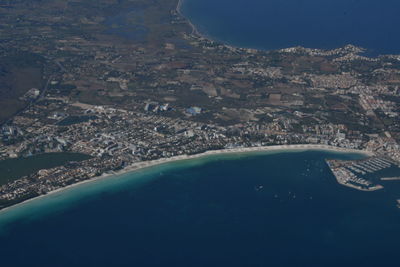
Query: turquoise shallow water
283, 209
276, 24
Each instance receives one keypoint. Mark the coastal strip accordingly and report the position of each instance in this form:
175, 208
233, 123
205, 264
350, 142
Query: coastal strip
179, 11
350, 50
239, 150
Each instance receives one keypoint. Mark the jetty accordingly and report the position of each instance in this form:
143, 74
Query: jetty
390, 178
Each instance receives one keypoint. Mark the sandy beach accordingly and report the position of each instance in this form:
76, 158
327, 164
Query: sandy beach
240, 150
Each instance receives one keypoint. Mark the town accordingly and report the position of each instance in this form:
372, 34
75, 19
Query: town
167, 91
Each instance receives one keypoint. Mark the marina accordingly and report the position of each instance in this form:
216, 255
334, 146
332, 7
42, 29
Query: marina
357, 174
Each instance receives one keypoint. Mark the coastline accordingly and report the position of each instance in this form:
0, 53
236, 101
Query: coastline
197, 33
179, 11
148, 164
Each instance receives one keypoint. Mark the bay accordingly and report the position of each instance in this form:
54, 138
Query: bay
276, 24
279, 209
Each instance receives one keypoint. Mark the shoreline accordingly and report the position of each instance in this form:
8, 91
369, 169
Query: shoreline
196, 32
152, 163
194, 28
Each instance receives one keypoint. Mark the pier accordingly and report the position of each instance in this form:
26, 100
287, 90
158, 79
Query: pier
390, 178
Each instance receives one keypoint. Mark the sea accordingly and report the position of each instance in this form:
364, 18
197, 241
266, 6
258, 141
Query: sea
261, 209
276, 24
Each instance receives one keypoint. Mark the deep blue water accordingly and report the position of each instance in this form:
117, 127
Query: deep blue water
275, 24
209, 212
